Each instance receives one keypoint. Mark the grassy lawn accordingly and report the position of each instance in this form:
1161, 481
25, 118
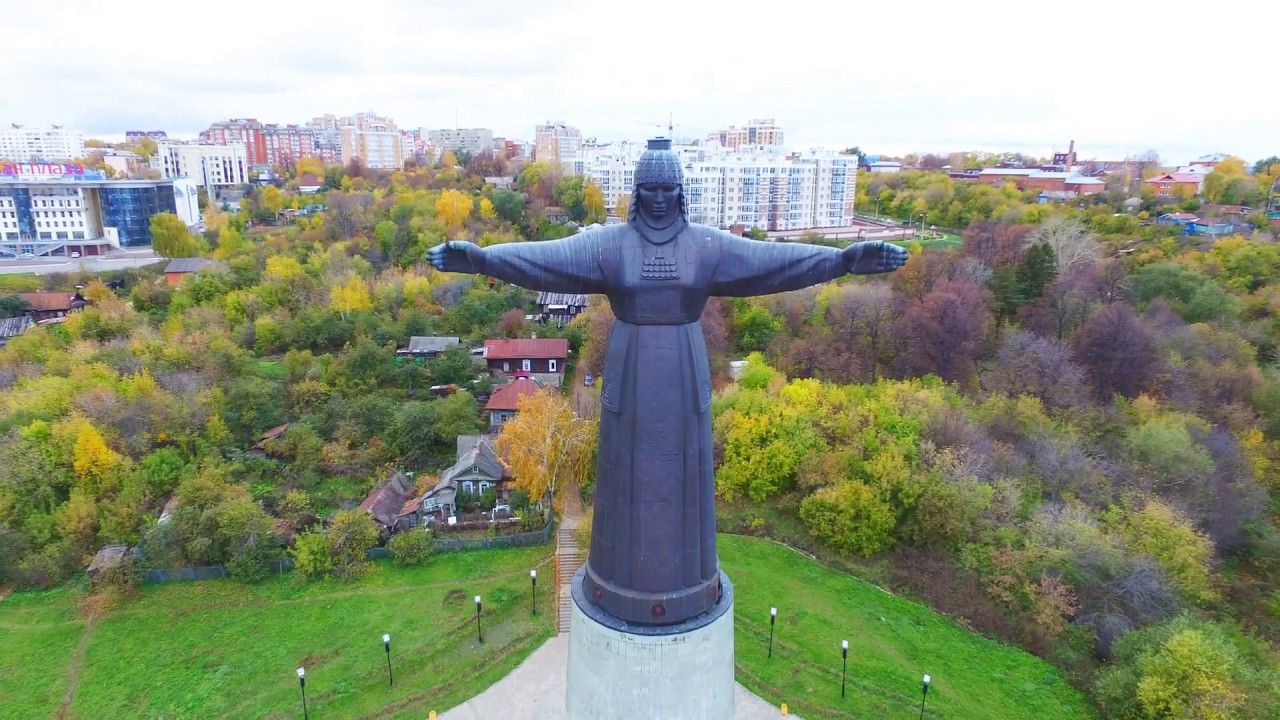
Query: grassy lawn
892, 643
223, 649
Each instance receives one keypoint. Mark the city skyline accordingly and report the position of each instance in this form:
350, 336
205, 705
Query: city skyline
1009, 79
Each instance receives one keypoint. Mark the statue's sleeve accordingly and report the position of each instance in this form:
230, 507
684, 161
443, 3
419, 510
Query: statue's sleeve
568, 265
758, 267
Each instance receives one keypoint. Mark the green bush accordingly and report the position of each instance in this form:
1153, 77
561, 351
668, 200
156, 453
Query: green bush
410, 548
310, 553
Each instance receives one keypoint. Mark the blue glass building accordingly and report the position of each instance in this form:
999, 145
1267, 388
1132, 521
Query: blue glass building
129, 210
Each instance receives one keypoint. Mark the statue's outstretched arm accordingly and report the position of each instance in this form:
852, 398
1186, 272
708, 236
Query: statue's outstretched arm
568, 265
755, 267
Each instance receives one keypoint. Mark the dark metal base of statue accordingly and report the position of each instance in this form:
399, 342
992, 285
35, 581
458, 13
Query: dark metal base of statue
620, 671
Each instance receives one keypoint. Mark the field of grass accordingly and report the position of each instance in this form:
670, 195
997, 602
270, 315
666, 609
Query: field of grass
893, 642
223, 649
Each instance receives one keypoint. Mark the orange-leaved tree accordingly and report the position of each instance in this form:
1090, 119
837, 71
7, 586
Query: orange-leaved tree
546, 446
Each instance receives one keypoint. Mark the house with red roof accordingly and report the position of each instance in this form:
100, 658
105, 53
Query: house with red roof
540, 358
1172, 185
504, 403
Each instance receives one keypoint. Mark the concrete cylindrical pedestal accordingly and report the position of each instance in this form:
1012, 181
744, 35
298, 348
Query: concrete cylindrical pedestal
622, 671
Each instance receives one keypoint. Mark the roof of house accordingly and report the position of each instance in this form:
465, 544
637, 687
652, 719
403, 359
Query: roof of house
13, 327
191, 264
1175, 177
1226, 209
1133, 202
1213, 222
1007, 171
386, 500
1082, 180
482, 455
310, 181
1183, 217
105, 557
50, 301
566, 299
271, 434
430, 344
521, 348
507, 397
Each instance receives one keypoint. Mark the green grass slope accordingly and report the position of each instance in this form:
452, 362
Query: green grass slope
223, 649
893, 642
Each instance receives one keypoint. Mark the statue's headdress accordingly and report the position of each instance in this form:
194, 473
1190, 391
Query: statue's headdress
659, 164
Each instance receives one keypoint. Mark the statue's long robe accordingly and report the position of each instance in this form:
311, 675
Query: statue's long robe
653, 543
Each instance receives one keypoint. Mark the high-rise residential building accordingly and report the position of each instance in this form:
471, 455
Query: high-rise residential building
328, 138
287, 144
373, 139
22, 144
472, 140
56, 209
762, 186
761, 131
265, 143
211, 166
555, 142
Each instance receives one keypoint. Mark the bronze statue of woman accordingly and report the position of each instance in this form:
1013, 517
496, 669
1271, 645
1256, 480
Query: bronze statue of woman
653, 544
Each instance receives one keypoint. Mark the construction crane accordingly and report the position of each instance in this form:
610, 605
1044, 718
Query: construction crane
669, 125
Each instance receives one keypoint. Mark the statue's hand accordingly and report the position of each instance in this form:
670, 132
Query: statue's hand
457, 256
874, 256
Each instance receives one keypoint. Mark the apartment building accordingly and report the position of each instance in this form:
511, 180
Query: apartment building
328, 138
210, 166
472, 140
761, 186
21, 144
762, 131
556, 142
374, 139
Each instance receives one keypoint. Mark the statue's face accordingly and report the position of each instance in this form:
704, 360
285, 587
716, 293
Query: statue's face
660, 202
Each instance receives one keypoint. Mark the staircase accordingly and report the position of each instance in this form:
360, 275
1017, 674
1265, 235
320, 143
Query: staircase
568, 559
568, 555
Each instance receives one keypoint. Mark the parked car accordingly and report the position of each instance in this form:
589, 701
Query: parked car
501, 512
27, 255
588, 380
75, 254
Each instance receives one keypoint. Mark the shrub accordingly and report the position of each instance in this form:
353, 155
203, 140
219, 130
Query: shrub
351, 534
849, 518
410, 548
310, 553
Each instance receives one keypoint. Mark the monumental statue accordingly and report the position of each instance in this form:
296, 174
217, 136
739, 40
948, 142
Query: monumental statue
653, 559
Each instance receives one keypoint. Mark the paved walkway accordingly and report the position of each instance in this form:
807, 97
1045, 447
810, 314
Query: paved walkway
536, 691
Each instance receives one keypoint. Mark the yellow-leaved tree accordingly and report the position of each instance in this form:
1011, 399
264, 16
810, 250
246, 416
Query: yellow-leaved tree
487, 210
97, 466
546, 446
351, 296
593, 200
453, 206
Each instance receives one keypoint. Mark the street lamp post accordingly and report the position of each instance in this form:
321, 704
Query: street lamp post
479, 635
533, 592
386, 643
302, 683
773, 618
844, 663
924, 694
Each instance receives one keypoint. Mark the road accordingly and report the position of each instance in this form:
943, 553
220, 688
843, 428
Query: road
98, 263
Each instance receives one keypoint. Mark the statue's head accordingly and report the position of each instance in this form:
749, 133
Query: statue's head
659, 191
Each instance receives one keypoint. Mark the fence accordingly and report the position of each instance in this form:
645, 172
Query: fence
214, 572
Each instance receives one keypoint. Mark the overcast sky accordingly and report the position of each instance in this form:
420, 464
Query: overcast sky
890, 77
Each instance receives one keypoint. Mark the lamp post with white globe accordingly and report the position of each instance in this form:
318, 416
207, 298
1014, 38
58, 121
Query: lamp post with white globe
302, 684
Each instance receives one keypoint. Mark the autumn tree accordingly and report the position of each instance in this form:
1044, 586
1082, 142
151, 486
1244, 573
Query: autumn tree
1028, 364
487, 211
1118, 350
351, 533
623, 207
453, 207
271, 199
310, 166
593, 201
509, 205
547, 446
351, 296
1072, 243
948, 330
169, 236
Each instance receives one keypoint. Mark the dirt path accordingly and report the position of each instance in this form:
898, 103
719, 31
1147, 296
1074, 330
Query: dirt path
73, 677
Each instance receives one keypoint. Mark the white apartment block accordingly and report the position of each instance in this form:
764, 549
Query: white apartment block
209, 166
472, 140
53, 144
764, 187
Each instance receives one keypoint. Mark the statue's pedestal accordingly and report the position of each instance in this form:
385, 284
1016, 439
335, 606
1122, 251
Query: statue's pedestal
622, 671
